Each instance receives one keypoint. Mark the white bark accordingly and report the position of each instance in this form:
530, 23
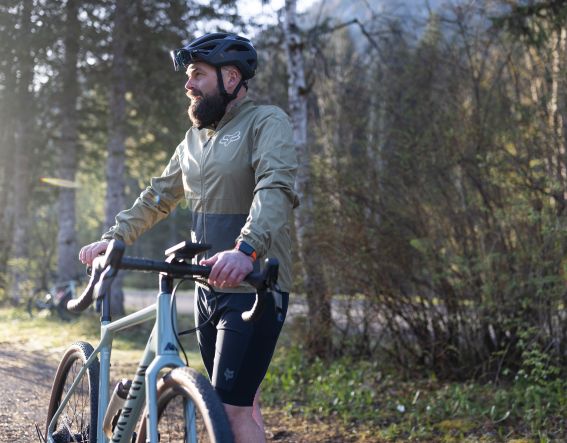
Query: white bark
557, 110
319, 339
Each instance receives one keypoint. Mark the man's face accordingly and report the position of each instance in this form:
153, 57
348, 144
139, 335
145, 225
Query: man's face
207, 105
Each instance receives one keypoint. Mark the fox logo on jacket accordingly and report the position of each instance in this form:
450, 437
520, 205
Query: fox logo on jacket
229, 138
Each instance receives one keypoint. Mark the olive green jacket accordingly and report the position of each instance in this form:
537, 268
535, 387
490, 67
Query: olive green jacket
239, 182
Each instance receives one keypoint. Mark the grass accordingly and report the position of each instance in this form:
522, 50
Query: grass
350, 399
364, 400
370, 401
48, 333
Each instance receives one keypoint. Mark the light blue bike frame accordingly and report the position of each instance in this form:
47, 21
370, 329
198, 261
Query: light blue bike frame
161, 352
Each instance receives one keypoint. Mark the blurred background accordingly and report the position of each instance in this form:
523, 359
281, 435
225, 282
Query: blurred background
433, 217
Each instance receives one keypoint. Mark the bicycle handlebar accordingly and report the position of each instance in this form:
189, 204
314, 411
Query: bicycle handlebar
105, 268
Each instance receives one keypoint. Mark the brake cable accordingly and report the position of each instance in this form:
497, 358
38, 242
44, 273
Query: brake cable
214, 296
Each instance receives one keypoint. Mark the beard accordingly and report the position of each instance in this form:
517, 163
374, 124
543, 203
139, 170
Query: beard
207, 111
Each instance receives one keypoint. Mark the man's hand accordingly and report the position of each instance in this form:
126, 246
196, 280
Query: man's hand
229, 268
89, 252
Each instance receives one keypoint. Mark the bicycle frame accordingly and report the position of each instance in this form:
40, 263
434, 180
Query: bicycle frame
161, 352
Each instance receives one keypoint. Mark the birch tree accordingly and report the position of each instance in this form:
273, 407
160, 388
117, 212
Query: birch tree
558, 114
318, 299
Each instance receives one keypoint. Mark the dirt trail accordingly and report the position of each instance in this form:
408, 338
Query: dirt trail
25, 383
26, 376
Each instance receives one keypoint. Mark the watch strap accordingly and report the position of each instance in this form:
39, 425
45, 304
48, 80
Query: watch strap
245, 248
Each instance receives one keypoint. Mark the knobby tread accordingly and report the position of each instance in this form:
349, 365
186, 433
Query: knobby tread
77, 351
194, 385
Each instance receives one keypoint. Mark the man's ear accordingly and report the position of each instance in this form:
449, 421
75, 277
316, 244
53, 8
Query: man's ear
232, 78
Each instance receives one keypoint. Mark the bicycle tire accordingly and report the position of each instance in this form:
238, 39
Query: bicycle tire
37, 304
178, 386
79, 418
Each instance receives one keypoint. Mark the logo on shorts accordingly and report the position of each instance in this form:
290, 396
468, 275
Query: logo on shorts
229, 138
228, 374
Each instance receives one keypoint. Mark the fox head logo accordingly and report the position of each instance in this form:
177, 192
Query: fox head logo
228, 374
229, 138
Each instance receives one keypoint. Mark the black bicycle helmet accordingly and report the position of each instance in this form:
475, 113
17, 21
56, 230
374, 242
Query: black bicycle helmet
219, 49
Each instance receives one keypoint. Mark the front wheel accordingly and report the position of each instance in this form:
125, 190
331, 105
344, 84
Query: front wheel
77, 422
188, 410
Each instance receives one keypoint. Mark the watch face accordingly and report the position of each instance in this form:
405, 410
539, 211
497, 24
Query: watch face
246, 248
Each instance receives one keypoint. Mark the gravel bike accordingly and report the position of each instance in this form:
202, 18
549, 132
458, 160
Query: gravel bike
182, 406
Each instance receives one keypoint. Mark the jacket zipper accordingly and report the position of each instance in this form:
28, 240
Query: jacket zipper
203, 196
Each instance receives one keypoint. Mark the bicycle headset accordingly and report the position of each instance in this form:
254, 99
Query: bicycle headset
220, 49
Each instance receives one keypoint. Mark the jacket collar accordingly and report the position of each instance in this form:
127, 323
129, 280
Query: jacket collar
235, 109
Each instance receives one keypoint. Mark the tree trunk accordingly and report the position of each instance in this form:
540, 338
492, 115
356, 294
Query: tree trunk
117, 135
67, 235
7, 161
318, 299
6, 219
22, 146
557, 116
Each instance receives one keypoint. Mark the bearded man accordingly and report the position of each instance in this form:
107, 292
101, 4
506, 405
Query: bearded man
236, 168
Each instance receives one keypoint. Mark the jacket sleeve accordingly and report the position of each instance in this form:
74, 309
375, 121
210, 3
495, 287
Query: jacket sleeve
153, 205
274, 160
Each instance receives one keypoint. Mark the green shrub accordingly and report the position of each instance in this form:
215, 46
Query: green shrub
360, 394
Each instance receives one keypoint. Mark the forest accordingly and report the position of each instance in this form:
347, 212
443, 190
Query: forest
433, 165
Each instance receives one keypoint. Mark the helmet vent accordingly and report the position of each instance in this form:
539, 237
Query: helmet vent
239, 48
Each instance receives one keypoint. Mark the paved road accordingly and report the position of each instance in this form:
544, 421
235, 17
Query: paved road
140, 298
344, 312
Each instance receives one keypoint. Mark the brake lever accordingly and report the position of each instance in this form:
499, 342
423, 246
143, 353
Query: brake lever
278, 298
266, 283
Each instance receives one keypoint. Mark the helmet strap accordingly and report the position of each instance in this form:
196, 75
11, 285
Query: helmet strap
228, 97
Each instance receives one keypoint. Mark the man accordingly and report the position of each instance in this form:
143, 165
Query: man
236, 167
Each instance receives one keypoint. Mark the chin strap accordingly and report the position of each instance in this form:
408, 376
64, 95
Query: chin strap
229, 97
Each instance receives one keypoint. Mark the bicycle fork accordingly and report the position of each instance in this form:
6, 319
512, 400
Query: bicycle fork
167, 354
161, 352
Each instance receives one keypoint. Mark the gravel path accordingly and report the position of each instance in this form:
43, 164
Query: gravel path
26, 375
25, 383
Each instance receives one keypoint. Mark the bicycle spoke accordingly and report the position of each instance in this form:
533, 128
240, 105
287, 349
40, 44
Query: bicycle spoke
72, 419
173, 424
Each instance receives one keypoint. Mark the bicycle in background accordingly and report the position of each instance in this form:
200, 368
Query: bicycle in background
182, 405
53, 301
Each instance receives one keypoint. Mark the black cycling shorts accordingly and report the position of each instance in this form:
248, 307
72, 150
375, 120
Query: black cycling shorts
236, 353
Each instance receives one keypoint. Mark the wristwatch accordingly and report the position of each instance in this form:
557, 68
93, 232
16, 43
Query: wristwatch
245, 248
